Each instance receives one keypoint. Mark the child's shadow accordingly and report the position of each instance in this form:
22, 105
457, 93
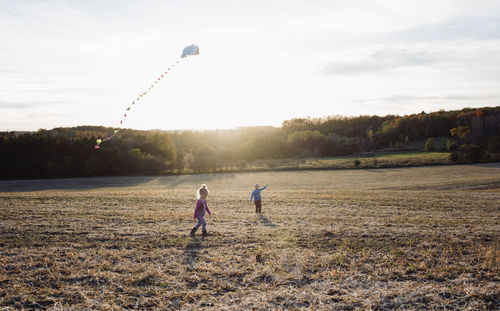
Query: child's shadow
265, 222
192, 250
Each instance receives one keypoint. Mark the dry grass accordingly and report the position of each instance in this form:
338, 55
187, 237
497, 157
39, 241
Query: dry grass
378, 160
383, 159
412, 238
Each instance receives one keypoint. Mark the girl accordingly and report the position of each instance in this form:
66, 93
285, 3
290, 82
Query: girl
199, 211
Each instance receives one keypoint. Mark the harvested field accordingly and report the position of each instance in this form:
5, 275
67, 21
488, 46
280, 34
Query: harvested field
379, 239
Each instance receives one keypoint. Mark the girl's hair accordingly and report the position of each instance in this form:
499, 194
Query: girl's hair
203, 190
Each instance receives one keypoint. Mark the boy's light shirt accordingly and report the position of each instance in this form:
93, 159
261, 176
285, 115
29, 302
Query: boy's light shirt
256, 194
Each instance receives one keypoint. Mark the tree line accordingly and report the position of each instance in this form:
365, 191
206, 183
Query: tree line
69, 152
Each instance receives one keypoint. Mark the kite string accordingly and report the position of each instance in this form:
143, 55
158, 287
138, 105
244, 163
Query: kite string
163, 75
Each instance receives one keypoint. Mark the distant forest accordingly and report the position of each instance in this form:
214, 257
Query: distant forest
473, 135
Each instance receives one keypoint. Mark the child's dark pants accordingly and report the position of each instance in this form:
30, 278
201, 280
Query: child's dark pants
258, 206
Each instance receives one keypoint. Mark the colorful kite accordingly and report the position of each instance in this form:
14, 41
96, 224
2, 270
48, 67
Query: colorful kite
189, 50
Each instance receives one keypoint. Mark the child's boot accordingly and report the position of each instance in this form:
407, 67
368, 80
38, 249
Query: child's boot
204, 232
193, 230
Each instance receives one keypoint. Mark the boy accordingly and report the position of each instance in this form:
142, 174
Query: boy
257, 199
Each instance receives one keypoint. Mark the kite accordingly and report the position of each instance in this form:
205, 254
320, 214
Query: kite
189, 50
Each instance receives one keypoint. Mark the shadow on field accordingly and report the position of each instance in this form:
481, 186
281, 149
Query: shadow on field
489, 165
192, 250
266, 222
373, 171
174, 181
87, 183
71, 183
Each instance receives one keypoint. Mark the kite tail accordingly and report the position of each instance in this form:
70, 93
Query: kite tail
135, 102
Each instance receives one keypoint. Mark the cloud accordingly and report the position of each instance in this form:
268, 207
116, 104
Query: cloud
451, 29
402, 99
21, 105
383, 60
478, 58
457, 40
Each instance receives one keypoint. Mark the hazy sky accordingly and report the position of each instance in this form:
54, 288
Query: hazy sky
68, 63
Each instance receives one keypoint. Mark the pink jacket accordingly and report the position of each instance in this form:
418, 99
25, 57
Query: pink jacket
200, 206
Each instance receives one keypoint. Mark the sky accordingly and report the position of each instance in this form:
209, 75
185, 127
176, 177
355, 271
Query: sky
70, 63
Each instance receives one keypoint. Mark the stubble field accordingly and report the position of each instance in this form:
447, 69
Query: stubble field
409, 238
